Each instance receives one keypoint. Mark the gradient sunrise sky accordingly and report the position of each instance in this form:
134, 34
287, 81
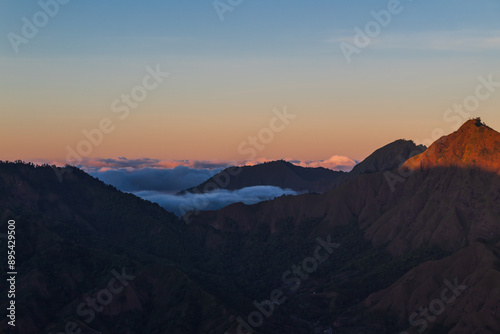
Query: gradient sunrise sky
226, 77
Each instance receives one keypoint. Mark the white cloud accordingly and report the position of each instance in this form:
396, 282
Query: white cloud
336, 162
217, 199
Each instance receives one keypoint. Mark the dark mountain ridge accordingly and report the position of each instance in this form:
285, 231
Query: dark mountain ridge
278, 173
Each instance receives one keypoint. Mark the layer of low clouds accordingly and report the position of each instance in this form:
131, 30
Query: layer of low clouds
336, 162
214, 200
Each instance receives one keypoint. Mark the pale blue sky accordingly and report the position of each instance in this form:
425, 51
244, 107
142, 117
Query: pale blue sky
264, 54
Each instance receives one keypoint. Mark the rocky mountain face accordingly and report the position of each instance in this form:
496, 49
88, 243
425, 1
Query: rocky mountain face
474, 145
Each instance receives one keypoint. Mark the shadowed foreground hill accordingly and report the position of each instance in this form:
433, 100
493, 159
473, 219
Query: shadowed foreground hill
464, 287
71, 238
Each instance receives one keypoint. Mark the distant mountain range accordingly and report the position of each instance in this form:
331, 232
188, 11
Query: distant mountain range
409, 241
286, 175
279, 173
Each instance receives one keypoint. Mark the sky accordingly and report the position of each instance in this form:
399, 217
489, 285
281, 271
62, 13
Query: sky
258, 80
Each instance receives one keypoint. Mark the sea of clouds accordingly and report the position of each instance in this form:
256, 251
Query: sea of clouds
214, 200
159, 181
160, 185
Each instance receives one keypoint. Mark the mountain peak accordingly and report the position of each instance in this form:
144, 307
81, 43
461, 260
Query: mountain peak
473, 145
278, 173
474, 122
388, 157
471, 126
